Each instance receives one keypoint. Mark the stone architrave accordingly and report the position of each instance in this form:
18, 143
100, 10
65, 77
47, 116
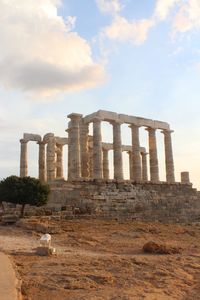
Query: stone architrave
51, 157
130, 164
144, 166
97, 149
41, 162
153, 157
105, 164
117, 150
59, 163
169, 161
23, 159
74, 171
136, 158
84, 148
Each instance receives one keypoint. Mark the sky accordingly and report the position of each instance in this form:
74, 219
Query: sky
135, 57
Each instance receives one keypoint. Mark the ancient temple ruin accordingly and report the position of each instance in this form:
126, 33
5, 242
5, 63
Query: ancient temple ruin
88, 154
89, 188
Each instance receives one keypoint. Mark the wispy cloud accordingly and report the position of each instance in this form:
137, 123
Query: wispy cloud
39, 52
109, 6
123, 30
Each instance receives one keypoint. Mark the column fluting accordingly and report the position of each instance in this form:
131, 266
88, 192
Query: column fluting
117, 150
105, 164
169, 161
97, 149
136, 158
41, 162
153, 157
23, 159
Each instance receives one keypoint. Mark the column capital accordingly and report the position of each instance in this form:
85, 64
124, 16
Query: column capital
42, 143
150, 129
75, 116
167, 131
96, 120
116, 122
133, 126
23, 141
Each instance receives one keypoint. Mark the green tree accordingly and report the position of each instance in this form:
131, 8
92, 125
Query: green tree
24, 190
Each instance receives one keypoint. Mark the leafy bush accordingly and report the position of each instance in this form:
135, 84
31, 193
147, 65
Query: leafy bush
24, 190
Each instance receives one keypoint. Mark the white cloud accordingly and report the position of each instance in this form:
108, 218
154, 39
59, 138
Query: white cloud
164, 7
123, 30
39, 52
187, 17
109, 6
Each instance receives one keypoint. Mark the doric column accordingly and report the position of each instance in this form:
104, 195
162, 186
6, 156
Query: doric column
51, 157
185, 178
105, 164
97, 149
23, 159
169, 161
117, 150
90, 162
41, 162
130, 164
136, 159
74, 171
144, 166
84, 148
59, 163
154, 172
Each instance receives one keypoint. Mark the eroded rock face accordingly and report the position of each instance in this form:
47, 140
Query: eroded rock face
156, 248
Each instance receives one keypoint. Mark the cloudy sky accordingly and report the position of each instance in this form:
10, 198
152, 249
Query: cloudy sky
137, 57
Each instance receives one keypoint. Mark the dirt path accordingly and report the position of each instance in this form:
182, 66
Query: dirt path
104, 260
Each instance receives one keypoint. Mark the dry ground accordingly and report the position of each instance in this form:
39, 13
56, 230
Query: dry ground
104, 260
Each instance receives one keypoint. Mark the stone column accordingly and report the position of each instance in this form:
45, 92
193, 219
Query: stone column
74, 171
136, 159
51, 157
84, 148
130, 164
105, 164
90, 162
59, 169
154, 172
23, 159
185, 178
169, 161
144, 166
97, 149
41, 162
117, 151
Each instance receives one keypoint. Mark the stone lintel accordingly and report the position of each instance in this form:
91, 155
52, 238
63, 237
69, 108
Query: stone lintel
32, 137
47, 136
61, 140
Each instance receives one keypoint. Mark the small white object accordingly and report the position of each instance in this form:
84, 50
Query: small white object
45, 240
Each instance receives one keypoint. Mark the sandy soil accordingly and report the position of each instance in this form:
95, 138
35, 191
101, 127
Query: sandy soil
104, 260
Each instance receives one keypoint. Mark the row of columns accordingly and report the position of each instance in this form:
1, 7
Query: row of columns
50, 160
92, 162
79, 155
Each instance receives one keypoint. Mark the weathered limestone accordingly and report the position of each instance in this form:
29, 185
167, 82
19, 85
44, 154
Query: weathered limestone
23, 159
130, 164
84, 146
51, 159
97, 149
117, 151
74, 147
185, 178
59, 162
41, 161
136, 159
88, 154
144, 166
169, 161
154, 172
105, 164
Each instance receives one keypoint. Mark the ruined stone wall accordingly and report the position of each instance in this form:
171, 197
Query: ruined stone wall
123, 200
